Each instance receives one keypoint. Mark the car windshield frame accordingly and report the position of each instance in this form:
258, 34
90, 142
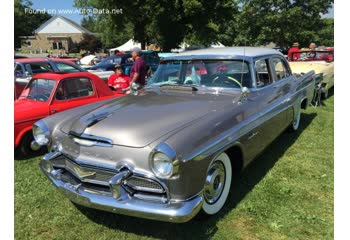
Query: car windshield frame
41, 92
204, 73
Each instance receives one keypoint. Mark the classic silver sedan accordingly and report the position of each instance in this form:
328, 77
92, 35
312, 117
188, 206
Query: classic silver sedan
168, 151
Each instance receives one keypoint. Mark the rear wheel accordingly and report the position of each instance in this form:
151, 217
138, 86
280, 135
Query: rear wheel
295, 124
217, 184
325, 94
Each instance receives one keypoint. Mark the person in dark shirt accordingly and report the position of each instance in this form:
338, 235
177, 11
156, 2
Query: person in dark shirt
138, 70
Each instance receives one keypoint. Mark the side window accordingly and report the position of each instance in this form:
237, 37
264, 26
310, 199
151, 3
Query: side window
74, 88
40, 67
18, 70
279, 68
63, 67
263, 76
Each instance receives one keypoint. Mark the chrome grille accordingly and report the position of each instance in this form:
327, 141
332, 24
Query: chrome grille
85, 174
144, 184
97, 179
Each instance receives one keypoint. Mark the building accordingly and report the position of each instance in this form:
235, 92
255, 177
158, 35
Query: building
58, 34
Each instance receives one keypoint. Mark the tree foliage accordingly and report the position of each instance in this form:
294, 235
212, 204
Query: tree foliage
165, 23
26, 23
231, 22
281, 21
89, 43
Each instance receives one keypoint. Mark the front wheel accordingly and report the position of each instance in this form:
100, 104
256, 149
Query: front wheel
217, 184
24, 150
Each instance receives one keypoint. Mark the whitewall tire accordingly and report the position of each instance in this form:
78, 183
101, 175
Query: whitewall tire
217, 184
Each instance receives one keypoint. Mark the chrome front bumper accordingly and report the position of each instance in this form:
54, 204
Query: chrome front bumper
171, 211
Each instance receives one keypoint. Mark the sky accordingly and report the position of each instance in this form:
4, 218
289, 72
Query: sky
60, 4
68, 5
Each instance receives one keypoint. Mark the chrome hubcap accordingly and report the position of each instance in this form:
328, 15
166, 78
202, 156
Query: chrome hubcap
215, 182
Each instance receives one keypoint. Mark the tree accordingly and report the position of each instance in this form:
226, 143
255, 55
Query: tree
110, 34
280, 21
26, 23
89, 43
203, 22
167, 23
326, 32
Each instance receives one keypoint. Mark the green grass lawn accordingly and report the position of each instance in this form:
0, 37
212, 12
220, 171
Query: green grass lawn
287, 193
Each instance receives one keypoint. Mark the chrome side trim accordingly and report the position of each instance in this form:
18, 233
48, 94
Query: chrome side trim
241, 129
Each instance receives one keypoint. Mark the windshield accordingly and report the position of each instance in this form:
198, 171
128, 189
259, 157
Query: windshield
207, 73
38, 89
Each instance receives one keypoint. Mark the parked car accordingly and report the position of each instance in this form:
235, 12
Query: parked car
125, 60
169, 150
25, 68
19, 56
49, 93
322, 62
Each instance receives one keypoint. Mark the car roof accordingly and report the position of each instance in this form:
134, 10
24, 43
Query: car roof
35, 59
226, 52
57, 76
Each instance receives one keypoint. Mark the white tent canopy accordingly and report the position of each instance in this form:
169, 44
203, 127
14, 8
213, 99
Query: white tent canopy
87, 59
126, 46
184, 46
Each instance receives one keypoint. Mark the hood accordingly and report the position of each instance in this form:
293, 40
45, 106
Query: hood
103, 66
137, 121
26, 110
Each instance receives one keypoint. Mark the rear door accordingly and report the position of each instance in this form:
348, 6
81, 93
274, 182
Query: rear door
275, 100
262, 97
73, 92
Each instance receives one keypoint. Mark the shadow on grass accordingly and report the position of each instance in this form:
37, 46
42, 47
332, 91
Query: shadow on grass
204, 229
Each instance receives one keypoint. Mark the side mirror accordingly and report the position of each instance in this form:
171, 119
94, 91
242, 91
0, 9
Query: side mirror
134, 88
27, 74
245, 92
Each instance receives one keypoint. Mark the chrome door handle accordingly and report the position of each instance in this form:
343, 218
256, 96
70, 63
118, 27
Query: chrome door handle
253, 135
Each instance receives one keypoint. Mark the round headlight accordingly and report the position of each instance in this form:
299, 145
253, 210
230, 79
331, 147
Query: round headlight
41, 134
162, 165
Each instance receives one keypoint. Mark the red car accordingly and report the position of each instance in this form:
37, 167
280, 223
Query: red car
25, 68
48, 93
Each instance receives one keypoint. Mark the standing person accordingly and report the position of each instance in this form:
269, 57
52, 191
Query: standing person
294, 49
119, 81
138, 70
